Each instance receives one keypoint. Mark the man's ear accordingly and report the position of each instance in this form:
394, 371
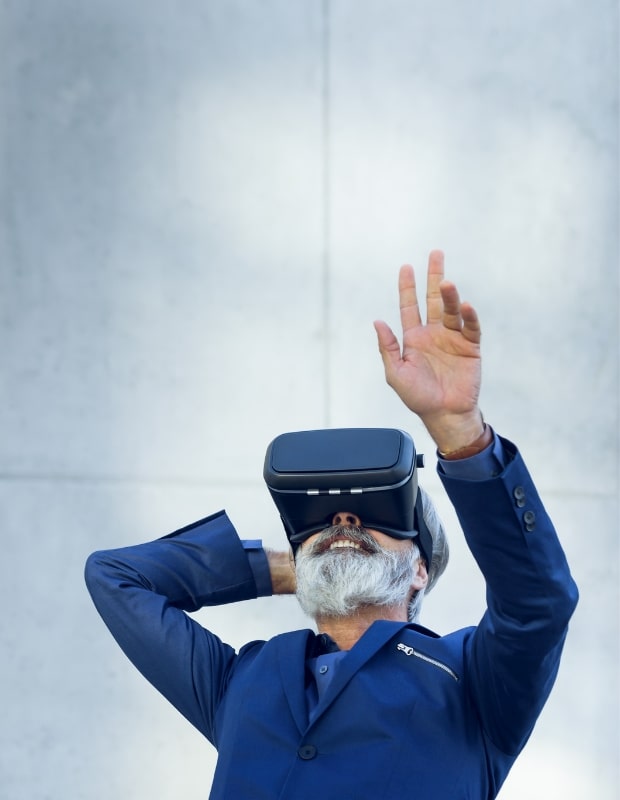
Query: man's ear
420, 576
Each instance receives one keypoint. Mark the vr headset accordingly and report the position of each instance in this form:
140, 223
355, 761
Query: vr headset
371, 472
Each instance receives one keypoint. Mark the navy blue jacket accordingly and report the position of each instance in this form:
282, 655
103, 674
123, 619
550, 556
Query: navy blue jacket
408, 714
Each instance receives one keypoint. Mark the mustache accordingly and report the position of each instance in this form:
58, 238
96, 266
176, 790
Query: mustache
353, 533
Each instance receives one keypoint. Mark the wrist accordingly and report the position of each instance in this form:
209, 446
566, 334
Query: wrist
282, 572
455, 432
473, 448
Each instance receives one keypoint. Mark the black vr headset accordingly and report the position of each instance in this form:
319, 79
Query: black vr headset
371, 472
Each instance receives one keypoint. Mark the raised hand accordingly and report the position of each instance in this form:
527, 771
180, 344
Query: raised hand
437, 372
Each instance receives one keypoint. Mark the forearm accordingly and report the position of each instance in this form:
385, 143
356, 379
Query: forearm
200, 565
515, 651
510, 534
142, 593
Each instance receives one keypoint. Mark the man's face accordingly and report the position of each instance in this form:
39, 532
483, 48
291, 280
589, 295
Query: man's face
347, 566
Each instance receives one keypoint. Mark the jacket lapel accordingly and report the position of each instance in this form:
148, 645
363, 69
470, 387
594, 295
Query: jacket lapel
373, 640
292, 648
292, 653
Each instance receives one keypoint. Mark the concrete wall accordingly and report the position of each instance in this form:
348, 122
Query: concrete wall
204, 206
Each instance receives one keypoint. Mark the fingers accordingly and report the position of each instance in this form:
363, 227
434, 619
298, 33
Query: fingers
451, 306
408, 297
471, 325
457, 316
443, 307
443, 303
434, 301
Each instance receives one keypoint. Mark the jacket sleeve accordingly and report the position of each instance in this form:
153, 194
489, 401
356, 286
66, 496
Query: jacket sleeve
142, 594
514, 654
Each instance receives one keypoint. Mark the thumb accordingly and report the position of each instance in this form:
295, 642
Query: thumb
388, 345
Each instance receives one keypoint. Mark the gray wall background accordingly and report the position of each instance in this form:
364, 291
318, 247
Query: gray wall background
204, 206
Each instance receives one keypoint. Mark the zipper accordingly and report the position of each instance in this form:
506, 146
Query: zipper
410, 651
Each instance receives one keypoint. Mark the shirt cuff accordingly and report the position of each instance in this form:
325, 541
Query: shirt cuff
487, 464
257, 559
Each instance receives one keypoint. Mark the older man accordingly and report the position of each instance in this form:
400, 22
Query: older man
372, 705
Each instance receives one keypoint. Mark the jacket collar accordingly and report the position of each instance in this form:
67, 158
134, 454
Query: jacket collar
295, 648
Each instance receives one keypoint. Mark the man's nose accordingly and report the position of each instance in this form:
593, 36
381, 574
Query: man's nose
346, 519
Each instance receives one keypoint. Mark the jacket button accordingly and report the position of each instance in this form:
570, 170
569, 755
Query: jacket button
530, 520
519, 495
307, 752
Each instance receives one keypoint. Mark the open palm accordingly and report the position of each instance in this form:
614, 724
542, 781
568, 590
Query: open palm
437, 372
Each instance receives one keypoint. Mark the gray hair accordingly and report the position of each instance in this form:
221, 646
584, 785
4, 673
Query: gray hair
337, 585
441, 553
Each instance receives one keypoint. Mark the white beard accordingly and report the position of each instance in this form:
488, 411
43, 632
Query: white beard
335, 583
